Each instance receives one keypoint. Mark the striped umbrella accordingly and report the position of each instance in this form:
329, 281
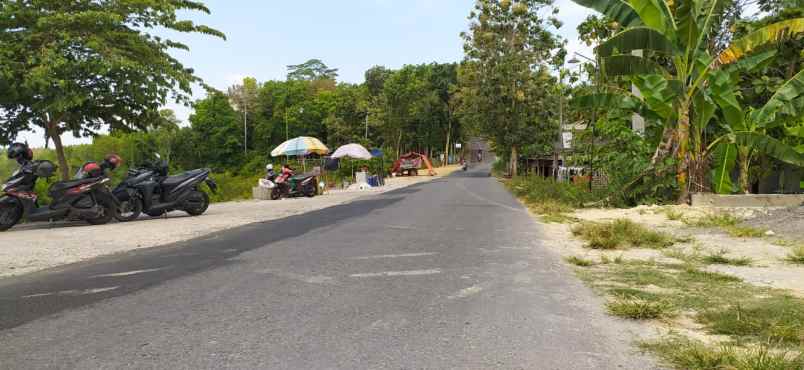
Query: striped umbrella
302, 145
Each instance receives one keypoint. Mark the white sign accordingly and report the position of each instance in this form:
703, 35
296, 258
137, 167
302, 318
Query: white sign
566, 140
458, 145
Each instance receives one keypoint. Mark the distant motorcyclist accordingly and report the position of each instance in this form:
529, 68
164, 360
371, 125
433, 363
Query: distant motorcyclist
270, 174
287, 172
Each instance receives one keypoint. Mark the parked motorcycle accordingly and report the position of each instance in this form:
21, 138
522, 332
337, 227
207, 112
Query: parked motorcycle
150, 190
303, 185
83, 199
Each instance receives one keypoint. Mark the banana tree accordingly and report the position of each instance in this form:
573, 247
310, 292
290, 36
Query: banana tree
669, 38
746, 129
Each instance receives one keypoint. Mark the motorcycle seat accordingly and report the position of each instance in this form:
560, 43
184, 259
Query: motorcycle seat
64, 185
172, 181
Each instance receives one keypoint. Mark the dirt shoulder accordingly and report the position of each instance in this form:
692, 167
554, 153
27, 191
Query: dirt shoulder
33, 247
719, 287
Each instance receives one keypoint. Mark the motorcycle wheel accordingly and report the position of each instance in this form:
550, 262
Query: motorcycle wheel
109, 211
130, 210
9, 216
196, 203
309, 191
276, 193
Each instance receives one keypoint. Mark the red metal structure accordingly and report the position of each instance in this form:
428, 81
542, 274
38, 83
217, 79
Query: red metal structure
410, 163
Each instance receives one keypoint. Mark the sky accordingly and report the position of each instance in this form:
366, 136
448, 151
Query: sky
265, 36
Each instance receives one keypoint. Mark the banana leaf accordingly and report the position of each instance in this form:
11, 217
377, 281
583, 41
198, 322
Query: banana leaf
629, 65
637, 38
769, 146
725, 157
785, 97
655, 14
770, 34
618, 10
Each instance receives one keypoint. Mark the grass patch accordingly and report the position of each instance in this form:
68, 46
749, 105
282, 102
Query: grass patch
672, 214
550, 199
796, 256
745, 231
714, 220
637, 308
721, 259
694, 355
578, 261
776, 319
701, 276
620, 233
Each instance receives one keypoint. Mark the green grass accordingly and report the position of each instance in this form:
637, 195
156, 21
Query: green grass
693, 355
672, 214
621, 233
776, 319
720, 258
714, 220
637, 308
738, 231
578, 261
796, 256
550, 199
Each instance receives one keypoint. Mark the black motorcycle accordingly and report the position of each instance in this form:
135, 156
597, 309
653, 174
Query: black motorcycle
150, 190
83, 199
304, 185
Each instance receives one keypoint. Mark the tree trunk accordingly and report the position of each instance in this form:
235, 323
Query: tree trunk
682, 173
514, 161
744, 159
64, 169
446, 149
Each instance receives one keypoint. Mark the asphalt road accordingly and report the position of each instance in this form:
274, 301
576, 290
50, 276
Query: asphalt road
449, 274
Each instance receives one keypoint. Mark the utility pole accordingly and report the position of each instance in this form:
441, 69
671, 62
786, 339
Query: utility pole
367, 115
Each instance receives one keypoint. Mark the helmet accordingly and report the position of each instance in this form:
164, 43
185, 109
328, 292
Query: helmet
113, 161
20, 151
269, 167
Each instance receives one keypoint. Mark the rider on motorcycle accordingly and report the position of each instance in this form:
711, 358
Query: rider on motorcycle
287, 172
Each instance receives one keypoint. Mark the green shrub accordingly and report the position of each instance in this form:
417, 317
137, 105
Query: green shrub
797, 255
232, 187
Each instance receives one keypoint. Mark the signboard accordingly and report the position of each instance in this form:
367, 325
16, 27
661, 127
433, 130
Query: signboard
566, 140
458, 145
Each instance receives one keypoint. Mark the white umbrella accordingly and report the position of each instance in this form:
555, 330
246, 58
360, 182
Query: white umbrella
353, 151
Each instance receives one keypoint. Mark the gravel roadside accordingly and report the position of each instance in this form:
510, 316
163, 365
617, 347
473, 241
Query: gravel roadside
33, 247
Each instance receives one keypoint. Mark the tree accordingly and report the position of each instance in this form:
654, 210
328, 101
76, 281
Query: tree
501, 80
80, 66
244, 99
311, 70
217, 132
674, 40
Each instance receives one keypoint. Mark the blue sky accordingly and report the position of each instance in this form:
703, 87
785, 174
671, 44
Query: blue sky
264, 36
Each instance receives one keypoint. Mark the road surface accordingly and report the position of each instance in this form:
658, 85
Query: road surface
449, 274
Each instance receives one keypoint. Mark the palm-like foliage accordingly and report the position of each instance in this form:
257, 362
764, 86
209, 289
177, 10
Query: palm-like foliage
677, 32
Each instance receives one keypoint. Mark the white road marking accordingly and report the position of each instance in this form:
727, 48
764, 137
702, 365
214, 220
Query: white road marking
74, 292
400, 227
394, 256
466, 292
37, 295
128, 273
397, 273
318, 279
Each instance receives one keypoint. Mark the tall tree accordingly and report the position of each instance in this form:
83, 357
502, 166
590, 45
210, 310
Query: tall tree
312, 70
244, 99
506, 43
217, 132
79, 66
